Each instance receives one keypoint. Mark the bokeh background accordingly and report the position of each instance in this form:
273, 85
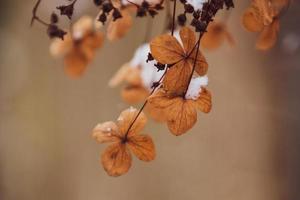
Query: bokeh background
247, 148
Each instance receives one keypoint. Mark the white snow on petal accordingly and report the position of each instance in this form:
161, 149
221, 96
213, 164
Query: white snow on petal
149, 73
194, 89
197, 4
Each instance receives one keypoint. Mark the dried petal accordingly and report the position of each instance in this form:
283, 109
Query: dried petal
203, 103
201, 65
120, 75
127, 117
75, 63
188, 39
142, 146
106, 132
116, 159
59, 47
251, 20
182, 116
268, 36
118, 29
94, 40
166, 49
82, 27
157, 114
134, 94
215, 36
177, 78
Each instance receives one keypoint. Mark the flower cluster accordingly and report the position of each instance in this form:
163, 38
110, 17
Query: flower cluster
168, 73
263, 16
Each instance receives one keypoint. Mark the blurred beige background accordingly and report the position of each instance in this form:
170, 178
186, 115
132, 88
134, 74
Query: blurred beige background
247, 148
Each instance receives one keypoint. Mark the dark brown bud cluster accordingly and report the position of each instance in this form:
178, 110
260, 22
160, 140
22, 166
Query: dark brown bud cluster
53, 30
145, 8
202, 18
106, 7
67, 10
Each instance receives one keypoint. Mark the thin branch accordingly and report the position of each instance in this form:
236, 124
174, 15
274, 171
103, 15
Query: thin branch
144, 105
34, 14
173, 18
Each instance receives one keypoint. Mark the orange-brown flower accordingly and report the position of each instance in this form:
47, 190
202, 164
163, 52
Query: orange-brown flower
181, 112
217, 33
124, 139
167, 49
78, 47
134, 90
263, 16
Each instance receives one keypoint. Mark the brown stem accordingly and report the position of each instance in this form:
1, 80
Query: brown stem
144, 105
34, 15
173, 18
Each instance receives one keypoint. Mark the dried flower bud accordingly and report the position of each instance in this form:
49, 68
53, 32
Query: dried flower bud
54, 32
150, 57
145, 4
158, 7
155, 84
201, 26
196, 14
102, 18
141, 12
116, 14
159, 66
66, 10
188, 8
98, 2
152, 12
53, 18
107, 7
229, 4
181, 19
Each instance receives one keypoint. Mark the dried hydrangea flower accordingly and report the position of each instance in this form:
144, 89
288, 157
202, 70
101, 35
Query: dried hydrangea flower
79, 46
138, 75
167, 49
124, 138
181, 112
263, 16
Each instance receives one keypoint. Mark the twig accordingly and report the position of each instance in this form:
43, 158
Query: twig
34, 15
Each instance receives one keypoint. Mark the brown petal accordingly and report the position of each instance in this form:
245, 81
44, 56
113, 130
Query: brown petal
268, 36
177, 78
160, 99
59, 48
116, 159
127, 117
106, 132
252, 20
118, 29
214, 36
201, 64
204, 103
182, 116
134, 94
157, 114
82, 27
142, 146
120, 75
166, 49
265, 10
188, 39
94, 40
75, 63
